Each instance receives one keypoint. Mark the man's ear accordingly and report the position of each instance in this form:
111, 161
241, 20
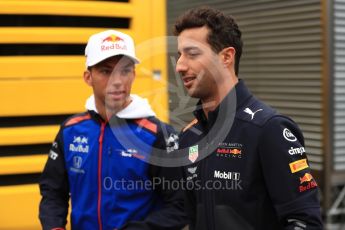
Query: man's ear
87, 77
134, 74
228, 56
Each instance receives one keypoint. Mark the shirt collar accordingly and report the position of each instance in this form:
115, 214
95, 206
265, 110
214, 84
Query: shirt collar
242, 94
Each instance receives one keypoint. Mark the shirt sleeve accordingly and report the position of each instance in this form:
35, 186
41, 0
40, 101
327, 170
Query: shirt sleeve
291, 186
53, 208
171, 216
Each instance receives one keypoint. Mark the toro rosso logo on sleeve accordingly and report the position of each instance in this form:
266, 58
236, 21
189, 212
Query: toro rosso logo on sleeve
288, 135
52, 154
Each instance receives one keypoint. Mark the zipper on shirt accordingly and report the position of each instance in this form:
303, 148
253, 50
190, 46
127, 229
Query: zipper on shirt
209, 204
209, 201
210, 195
100, 150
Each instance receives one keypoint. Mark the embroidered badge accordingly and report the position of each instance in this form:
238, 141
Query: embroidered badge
193, 153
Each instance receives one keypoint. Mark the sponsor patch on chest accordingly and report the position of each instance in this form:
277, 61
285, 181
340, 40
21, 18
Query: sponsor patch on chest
229, 150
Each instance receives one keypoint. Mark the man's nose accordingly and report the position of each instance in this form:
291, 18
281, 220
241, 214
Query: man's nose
181, 65
115, 78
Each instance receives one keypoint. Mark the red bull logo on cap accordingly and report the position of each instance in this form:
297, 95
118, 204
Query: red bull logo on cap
117, 43
112, 38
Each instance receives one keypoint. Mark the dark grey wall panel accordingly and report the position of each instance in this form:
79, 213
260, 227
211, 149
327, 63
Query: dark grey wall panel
339, 85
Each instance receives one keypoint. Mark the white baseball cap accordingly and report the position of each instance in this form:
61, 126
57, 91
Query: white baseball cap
107, 44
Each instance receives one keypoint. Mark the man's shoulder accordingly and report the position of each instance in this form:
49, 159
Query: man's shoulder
191, 133
166, 136
154, 125
76, 119
256, 112
190, 125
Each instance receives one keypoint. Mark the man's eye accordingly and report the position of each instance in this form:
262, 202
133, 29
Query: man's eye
193, 54
105, 71
126, 71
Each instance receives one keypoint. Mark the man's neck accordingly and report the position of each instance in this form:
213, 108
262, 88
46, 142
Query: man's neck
107, 113
211, 103
102, 112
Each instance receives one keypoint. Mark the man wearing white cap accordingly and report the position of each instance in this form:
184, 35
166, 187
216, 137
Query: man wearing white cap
100, 158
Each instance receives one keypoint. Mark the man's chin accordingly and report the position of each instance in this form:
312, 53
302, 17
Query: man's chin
193, 93
114, 107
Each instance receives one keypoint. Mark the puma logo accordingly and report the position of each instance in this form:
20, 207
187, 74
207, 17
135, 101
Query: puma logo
250, 112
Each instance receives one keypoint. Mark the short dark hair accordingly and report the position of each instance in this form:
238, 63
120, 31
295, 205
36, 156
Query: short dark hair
120, 57
224, 31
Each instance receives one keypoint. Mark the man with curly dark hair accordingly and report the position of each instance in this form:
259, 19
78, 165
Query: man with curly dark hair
254, 155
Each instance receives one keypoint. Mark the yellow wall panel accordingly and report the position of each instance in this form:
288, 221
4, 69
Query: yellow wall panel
19, 207
22, 164
87, 8
28, 135
57, 35
26, 67
43, 97
151, 49
61, 96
